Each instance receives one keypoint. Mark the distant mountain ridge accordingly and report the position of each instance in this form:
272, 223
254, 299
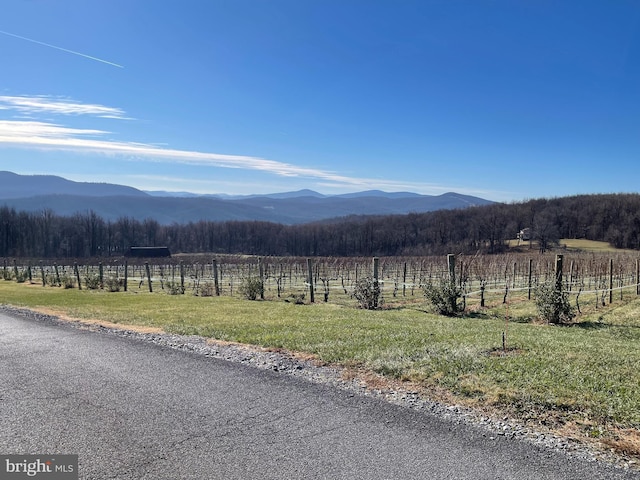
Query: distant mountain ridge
13, 185
64, 197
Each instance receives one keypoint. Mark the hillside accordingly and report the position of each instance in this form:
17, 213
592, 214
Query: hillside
610, 218
17, 186
35, 193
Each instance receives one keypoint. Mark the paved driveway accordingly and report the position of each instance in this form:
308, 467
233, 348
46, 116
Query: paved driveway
135, 410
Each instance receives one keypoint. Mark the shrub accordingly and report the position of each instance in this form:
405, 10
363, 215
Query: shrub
296, 298
174, 288
251, 288
21, 276
67, 281
207, 289
553, 304
92, 282
114, 284
444, 297
368, 294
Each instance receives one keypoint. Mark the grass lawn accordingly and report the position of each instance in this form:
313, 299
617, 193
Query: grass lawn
582, 379
569, 245
580, 244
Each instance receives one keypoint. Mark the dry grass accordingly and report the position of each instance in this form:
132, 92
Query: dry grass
568, 245
626, 441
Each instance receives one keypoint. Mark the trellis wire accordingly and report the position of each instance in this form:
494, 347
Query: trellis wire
589, 273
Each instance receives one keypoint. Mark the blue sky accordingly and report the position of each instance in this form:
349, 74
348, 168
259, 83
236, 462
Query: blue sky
506, 100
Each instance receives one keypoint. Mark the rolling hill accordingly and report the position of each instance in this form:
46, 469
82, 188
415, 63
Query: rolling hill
65, 197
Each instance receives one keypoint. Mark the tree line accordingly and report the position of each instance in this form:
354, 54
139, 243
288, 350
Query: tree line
614, 218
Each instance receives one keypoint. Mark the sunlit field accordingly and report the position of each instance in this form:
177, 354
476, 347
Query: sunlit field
580, 379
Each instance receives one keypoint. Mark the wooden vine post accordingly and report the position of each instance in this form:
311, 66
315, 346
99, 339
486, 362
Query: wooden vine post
310, 279
126, 275
261, 274
404, 280
77, 272
146, 265
610, 280
558, 271
530, 274
215, 277
451, 262
376, 264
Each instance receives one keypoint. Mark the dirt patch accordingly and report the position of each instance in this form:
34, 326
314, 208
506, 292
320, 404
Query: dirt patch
626, 441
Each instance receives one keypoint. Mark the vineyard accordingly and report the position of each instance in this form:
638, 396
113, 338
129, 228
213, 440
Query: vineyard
503, 352
591, 278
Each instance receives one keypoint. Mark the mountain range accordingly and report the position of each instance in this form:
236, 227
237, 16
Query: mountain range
35, 193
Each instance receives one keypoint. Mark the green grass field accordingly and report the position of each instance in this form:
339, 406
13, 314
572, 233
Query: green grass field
579, 244
569, 245
581, 379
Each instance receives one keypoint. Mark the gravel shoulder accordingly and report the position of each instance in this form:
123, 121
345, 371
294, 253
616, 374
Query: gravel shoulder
356, 383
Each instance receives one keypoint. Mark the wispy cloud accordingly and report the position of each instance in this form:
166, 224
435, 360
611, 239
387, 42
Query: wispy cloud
34, 134
32, 105
53, 136
62, 49
50, 136
31, 133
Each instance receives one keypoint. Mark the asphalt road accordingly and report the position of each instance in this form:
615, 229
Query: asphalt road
135, 410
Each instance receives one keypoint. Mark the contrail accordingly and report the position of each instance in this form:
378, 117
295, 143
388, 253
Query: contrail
63, 49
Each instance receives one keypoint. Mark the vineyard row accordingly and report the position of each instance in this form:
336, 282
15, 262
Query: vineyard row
599, 274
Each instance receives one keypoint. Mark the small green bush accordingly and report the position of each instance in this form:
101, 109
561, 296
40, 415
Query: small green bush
368, 294
296, 298
553, 304
174, 288
113, 284
444, 298
21, 276
67, 281
92, 282
251, 288
207, 289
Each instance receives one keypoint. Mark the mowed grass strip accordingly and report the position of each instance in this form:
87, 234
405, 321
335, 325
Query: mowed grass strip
570, 244
585, 376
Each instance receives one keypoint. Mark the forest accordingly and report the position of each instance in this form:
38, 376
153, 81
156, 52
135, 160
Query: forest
614, 218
